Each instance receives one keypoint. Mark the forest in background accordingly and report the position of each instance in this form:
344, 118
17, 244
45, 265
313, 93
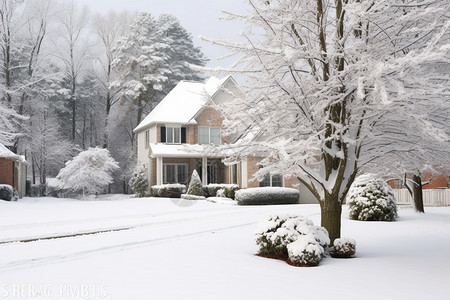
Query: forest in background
70, 80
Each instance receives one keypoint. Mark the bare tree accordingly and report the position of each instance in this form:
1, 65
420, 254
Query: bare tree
109, 29
73, 50
330, 87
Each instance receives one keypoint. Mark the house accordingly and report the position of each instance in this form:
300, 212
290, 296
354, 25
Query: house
173, 140
13, 170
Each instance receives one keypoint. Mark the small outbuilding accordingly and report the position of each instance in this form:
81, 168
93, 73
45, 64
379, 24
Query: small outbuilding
13, 170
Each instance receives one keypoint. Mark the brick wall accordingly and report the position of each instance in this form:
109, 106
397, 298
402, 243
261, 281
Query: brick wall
6, 171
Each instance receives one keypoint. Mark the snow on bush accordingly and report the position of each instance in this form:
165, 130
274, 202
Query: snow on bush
267, 196
276, 234
7, 193
229, 190
174, 190
138, 182
192, 197
343, 248
89, 171
195, 185
305, 251
371, 199
221, 193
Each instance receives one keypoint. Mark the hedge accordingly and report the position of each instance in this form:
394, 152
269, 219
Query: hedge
267, 196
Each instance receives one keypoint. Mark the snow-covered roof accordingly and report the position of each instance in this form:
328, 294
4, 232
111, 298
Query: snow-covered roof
6, 153
182, 103
180, 150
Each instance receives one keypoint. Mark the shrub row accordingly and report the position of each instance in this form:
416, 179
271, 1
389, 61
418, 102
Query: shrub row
267, 196
168, 190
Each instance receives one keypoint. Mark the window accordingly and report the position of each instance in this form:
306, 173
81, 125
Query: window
173, 135
234, 174
147, 139
209, 135
175, 173
272, 180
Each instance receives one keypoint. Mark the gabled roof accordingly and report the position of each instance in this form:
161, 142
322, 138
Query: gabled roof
182, 104
6, 153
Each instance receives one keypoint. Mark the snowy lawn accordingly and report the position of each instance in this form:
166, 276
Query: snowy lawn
164, 249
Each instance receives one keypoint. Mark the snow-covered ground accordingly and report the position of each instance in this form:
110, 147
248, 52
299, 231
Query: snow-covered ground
152, 248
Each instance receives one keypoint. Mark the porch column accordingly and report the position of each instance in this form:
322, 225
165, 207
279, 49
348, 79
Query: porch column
159, 170
204, 171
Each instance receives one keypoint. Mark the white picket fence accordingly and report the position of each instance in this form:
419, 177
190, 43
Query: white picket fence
437, 197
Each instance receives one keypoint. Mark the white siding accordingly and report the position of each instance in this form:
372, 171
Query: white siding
142, 152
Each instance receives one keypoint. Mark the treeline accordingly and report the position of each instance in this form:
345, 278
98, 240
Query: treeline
70, 80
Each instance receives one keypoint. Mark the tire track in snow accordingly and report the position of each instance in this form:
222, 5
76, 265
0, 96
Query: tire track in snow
194, 219
36, 262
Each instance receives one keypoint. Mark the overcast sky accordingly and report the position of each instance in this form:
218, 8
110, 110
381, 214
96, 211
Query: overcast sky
200, 17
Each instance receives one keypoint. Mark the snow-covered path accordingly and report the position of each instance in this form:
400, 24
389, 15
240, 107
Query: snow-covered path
206, 251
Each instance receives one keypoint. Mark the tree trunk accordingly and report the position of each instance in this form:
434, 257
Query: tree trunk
417, 194
331, 210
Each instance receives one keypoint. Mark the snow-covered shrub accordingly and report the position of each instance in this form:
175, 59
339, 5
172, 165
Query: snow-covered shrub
267, 196
343, 248
305, 251
371, 199
195, 185
89, 172
7, 193
221, 193
139, 182
168, 190
229, 189
274, 235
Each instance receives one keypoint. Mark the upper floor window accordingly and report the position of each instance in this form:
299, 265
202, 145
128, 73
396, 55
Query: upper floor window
173, 135
209, 135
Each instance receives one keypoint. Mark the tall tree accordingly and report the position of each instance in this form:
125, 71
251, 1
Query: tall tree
73, 51
142, 64
181, 51
347, 82
109, 28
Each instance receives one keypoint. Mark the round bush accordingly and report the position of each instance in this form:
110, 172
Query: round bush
371, 199
343, 248
267, 196
274, 235
7, 193
305, 251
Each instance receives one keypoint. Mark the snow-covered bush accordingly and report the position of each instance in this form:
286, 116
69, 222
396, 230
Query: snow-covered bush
195, 185
267, 196
343, 248
89, 172
7, 193
229, 190
168, 190
221, 193
139, 182
371, 199
305, 251
274, 235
